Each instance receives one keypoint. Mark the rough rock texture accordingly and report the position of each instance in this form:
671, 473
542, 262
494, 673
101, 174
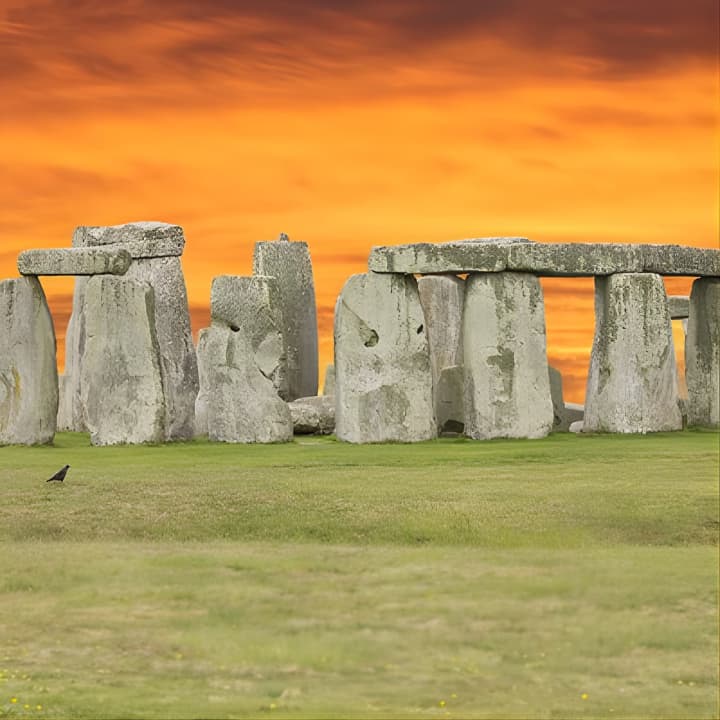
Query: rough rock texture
64, 415
242, 403
121, 380
74, 261
507, 387
576, 427
552, 259
632, 382
564, 413
383, 388
140, 239
289, 263
702, 354
172, 318
73, 411
329, 385
679, 307
28, 373
253, 305
313, 415
442, 297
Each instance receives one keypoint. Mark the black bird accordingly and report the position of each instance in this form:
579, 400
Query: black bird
59, 475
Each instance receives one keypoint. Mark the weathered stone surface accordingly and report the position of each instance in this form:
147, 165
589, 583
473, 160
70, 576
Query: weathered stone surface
551, 259
73, 411
507, 386
140, 239
121, 380
313, 415
74, 261
441, 298
383, 378
242, 403
702, 353
576, 427
28, 373
679, 307
64, 415
289, 263
564, 413
632, 382
329, 384
253, 304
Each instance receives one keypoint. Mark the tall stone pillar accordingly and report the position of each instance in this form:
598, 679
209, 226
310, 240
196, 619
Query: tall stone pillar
28, 373
383, 381
507, 387
632, 382
702, 353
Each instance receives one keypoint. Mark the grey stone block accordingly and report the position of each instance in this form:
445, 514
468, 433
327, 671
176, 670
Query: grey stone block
679, 307
313, 415
140, 239
564, 413
74, 261
329, 384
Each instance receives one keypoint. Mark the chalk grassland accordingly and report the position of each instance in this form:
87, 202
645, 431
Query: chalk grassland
564, 578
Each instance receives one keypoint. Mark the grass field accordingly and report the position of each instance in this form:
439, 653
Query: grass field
571, 577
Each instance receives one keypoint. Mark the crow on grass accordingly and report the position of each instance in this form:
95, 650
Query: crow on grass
59, 476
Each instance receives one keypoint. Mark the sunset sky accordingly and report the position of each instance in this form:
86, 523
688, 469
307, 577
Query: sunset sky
352, 124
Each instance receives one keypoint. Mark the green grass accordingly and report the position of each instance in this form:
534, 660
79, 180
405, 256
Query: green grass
317, 579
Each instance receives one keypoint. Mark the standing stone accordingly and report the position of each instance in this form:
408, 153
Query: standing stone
507, 387
564, 414
289, 263
121, 377
702, 353
28, 373
155, 249
241, 403
329, 385
72, 407
383, 389
632, 383
64, 416
253, 305
442, 297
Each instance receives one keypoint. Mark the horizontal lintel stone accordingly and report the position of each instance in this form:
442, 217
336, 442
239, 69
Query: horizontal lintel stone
545, 259
140, 239
74, 261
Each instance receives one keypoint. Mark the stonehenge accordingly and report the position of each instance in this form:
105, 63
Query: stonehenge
435, 339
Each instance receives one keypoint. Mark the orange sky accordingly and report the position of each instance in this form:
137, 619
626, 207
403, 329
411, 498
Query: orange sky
381, 123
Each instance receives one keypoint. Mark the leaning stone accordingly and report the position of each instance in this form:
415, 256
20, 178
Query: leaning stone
329, 385
74, 261
253, 304
289, 263
140, 239
121, 379
28, 373
242, 403
702, 353
507, 387
679, 307
441, 297
383, 378
632, 382
313, 415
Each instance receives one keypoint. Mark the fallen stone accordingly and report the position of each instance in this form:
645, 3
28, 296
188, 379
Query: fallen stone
564, 414
313, 415
289, 263
242, 403
121, 379
632, 383
383, 378
140, 239
253, 305
507, 386
329, 385
548, 259
28, 373
441, 297
576, 427
702, 354
679, 307
74, 261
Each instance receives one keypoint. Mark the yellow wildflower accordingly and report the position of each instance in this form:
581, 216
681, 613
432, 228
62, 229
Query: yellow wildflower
584, 696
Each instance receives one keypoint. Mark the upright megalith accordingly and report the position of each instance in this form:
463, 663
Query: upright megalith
155, 249
632, 382
383, 380
289, 262
565, 414
242, 362
507, 387
702, 353
121, 377
28, 373
442, 298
